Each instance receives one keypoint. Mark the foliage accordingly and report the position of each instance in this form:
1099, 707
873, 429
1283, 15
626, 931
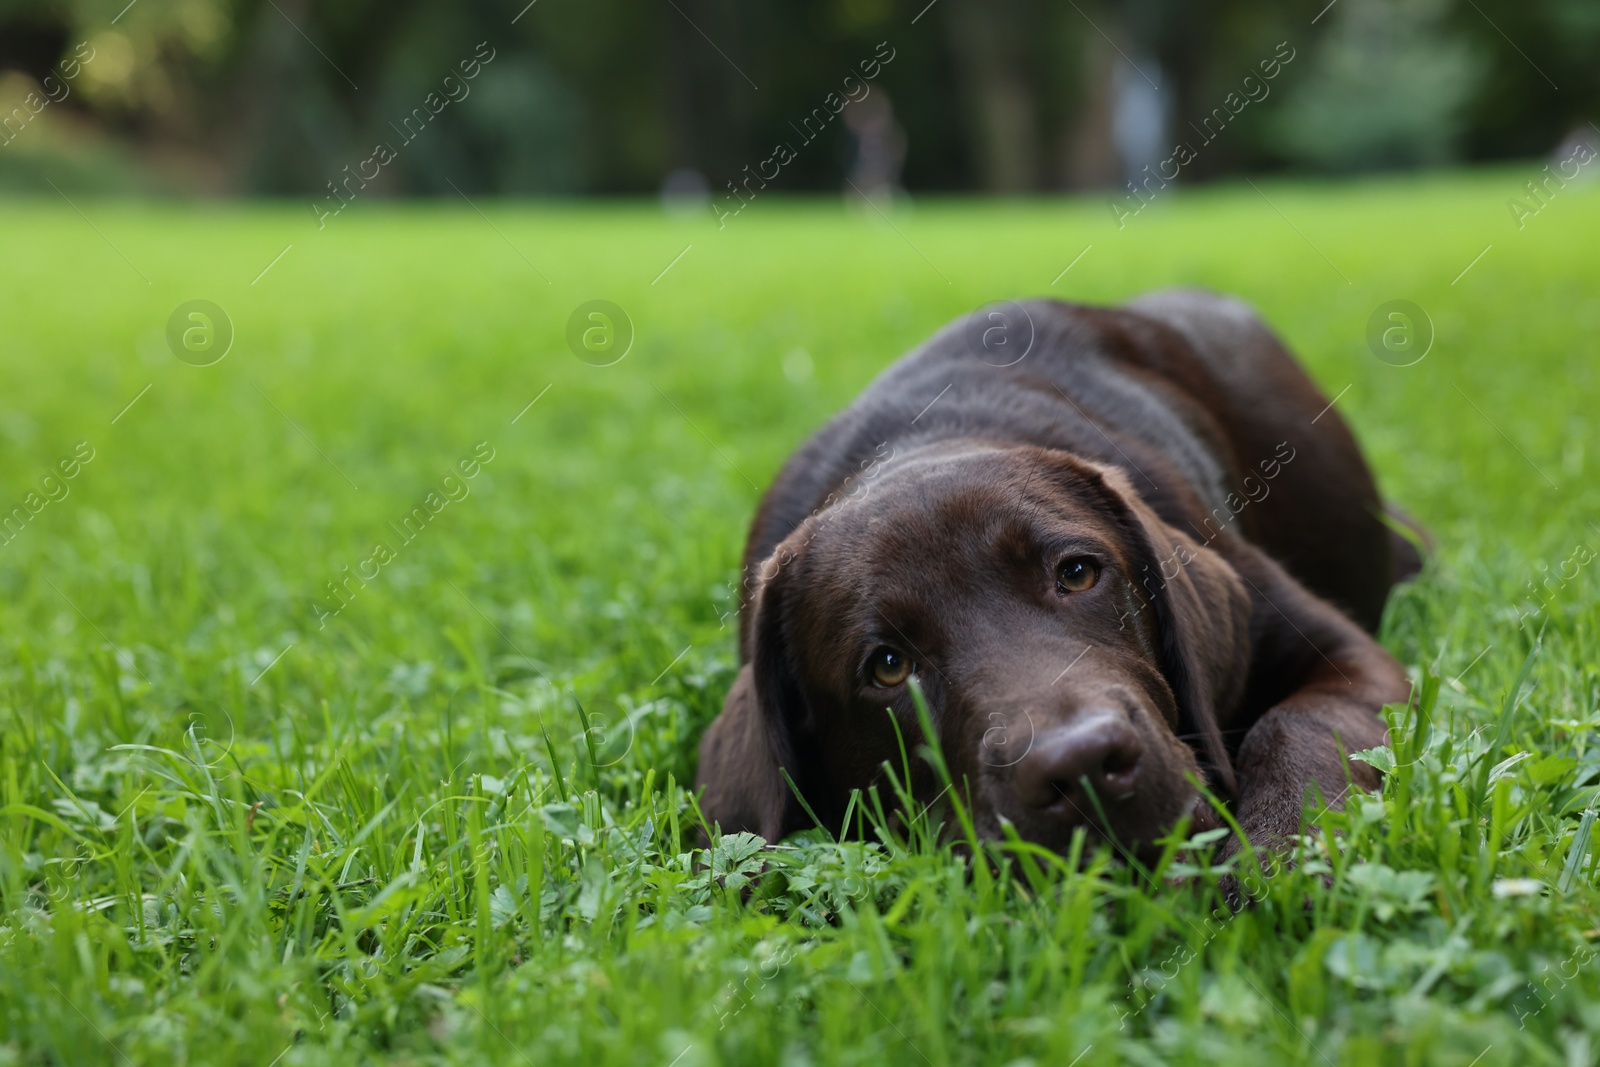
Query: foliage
253, 97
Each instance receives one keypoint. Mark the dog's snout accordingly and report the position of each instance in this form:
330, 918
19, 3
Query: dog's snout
1099, 750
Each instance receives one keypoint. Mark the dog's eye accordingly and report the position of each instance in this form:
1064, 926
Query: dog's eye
889, 668
1076, 575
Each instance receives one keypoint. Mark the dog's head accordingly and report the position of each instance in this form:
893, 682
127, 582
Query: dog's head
1074, 651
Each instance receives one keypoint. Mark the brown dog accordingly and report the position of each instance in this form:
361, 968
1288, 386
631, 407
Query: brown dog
1115, 547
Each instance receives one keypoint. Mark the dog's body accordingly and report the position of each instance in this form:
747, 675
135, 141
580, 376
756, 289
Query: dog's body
1200, 508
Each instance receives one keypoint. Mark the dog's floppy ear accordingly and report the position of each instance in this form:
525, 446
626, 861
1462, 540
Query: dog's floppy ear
1203, 614
743, 750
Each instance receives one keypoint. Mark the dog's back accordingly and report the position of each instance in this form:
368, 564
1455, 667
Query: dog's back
1189, 393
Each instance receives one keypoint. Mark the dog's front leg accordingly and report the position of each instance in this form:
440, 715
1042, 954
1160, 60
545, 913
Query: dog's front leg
1322, 682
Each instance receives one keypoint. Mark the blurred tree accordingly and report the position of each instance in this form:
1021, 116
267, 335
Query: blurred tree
1387, 87
1541, 79
995, 49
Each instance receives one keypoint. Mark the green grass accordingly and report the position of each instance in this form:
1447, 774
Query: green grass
394, 843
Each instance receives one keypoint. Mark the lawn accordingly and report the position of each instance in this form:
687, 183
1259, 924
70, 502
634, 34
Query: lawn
246, 821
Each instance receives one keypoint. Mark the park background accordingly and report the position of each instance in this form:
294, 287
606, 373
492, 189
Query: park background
610, 97
271, 797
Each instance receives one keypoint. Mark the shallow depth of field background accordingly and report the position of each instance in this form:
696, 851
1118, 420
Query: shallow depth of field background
449, 823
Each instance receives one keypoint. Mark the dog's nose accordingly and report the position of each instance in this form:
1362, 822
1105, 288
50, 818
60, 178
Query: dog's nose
1099, 749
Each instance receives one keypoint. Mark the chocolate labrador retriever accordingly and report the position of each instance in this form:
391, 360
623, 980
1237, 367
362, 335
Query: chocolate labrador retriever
1119, 549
